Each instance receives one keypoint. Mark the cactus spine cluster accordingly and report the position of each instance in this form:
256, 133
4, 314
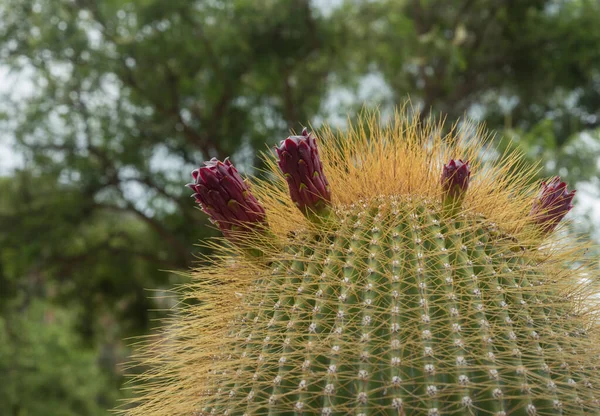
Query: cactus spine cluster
406, 288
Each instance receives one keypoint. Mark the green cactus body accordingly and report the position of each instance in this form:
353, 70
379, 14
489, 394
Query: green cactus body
389, 306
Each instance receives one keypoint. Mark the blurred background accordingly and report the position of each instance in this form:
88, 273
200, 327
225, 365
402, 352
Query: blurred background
106, 107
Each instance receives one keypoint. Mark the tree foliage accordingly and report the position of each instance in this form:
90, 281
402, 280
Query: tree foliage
45, 369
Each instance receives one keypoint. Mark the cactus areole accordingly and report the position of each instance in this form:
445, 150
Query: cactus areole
391, 306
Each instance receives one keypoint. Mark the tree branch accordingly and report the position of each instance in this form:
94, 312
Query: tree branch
66, 264
181, 249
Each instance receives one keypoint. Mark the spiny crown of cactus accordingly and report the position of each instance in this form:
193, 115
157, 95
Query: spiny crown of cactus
378, 296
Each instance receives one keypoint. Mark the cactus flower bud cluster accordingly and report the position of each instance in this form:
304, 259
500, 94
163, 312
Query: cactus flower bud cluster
227, 200
224, 196
552, 203
301, 165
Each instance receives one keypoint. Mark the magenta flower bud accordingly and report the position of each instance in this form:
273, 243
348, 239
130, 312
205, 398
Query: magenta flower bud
455, 182
300, 163
224, 196
552, 204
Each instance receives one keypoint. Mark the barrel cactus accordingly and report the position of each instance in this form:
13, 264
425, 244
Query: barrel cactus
390, 270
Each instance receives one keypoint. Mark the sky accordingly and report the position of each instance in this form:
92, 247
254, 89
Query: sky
17, 86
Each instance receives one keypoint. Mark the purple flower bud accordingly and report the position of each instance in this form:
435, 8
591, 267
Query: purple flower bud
300, 163
224, 196
552, 204
455, 181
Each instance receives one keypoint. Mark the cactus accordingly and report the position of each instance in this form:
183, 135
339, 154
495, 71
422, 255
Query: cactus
386, 302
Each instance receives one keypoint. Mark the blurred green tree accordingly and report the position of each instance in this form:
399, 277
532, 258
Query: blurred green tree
119, 100
45, 370
126, 99
529, 69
